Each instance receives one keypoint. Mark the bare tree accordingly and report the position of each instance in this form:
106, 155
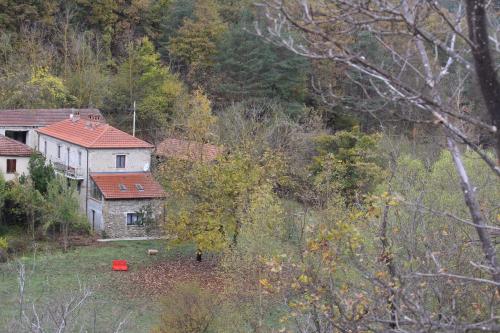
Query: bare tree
61, 313
423, 57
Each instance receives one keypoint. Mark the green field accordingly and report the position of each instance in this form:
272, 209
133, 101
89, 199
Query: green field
51, 278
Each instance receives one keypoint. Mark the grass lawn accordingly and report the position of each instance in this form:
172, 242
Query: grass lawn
53, 276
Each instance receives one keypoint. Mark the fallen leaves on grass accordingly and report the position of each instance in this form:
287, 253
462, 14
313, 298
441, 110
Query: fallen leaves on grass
159, 278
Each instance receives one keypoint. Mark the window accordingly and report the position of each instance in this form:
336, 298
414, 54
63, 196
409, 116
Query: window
79, 158
45, 148
139, 187
122, 187
134, 219
95, 193
120, 161
17, 135
11, 166
58, 151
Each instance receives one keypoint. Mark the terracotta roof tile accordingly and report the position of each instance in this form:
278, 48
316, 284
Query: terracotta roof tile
140, 185
41, 117
11, 147
91, 134
188, 150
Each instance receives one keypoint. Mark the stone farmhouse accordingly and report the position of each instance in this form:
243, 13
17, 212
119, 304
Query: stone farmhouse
14, 158
111, 169
109, 166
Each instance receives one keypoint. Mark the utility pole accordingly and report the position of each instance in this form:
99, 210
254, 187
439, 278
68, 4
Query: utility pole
133, 124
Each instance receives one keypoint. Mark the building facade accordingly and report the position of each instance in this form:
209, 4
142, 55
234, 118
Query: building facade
81, 149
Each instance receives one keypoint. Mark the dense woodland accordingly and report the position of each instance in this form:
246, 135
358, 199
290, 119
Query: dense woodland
359, 186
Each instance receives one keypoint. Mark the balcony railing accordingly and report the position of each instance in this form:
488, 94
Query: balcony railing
69, 171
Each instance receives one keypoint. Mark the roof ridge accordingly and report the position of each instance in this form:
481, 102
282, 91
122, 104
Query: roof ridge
119, 130
100, 135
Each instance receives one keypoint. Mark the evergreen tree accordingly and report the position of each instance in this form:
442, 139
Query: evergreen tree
142, 78
16, 13
167, 16
196, 41
249, 68
40, 172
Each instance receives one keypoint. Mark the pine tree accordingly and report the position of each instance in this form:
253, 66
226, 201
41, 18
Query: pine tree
196, 41
250, 68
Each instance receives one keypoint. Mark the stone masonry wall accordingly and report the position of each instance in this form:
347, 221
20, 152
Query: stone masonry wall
115, 218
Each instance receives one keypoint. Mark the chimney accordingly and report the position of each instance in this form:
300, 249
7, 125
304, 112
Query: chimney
74, 116
93, 121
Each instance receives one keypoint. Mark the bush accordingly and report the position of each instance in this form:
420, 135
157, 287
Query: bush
18, 245
188, 309
3, 249
3, 243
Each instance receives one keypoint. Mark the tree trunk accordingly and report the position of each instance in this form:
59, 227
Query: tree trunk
485, 69
475, 211
32, 223
65, 236
388, 259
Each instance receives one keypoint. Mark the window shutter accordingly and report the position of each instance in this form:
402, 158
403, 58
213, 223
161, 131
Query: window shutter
11, 166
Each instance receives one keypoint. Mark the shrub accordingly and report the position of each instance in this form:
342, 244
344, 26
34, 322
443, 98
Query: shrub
18, 246
3, 249
188, 309
3, 243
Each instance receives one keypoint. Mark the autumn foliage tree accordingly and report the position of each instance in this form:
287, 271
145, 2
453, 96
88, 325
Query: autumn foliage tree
210, 201
196, 41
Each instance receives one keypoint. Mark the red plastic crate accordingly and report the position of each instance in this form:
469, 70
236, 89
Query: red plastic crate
120, 265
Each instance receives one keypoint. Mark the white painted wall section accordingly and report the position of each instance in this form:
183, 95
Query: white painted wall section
21, 167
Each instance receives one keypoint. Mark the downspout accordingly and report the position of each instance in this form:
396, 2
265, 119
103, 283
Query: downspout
87, 188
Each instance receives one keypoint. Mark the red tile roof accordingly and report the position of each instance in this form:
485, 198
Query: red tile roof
188, 150
91, 134
11, 147
128, 185
41, 117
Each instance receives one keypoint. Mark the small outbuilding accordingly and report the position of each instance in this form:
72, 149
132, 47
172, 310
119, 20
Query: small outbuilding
14, 158
127, 204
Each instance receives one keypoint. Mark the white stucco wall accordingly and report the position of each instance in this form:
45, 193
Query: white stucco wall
96, 206
51, 156
99, 160
104, 160
52, 147
21, 167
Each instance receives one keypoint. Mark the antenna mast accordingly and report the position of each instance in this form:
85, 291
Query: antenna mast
133, 124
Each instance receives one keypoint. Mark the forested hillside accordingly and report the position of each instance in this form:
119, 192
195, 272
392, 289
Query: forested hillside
354, 183
107, 54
